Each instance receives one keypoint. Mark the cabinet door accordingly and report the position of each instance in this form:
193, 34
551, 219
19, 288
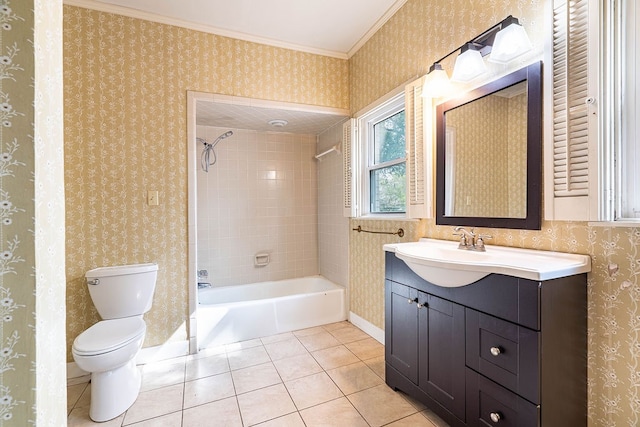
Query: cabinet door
442, 352
401, 329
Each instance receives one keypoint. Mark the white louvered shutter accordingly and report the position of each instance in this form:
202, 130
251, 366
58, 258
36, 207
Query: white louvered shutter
348, 157
418, 131
571, 139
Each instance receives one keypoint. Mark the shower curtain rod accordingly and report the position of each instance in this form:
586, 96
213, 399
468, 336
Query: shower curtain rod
335, 148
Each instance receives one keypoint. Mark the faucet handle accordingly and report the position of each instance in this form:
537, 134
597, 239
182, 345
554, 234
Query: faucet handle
464, 244
480, 241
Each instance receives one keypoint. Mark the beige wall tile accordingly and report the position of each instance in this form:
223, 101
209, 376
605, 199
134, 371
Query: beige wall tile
259, 197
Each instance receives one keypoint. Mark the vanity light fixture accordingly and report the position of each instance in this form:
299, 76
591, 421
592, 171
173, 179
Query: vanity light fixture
505, 41
469, 64
436, 83
510, 42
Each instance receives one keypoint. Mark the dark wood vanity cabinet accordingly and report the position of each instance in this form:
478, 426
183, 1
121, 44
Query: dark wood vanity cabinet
502, 351
425, 343
401, 340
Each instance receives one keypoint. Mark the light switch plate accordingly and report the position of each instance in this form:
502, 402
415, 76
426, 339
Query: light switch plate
152, 198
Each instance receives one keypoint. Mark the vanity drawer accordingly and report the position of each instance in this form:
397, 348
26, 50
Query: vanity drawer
489, 404
504, 352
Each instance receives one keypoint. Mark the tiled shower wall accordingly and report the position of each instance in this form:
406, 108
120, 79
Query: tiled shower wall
259, 198
333, 227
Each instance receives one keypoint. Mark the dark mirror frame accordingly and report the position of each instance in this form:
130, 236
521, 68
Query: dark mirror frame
533, 75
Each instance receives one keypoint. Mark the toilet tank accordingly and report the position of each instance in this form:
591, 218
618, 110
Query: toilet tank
122, 291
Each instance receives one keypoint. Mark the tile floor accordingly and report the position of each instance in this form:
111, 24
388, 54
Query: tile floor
331, 375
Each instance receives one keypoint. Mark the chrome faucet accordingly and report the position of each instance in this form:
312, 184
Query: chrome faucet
469, 240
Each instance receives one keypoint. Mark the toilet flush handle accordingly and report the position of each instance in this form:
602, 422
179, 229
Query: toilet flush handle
93, 282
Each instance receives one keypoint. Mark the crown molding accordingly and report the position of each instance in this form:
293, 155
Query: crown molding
148, 16
379, 24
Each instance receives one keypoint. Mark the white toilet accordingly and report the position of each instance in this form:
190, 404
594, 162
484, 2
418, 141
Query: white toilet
108, 349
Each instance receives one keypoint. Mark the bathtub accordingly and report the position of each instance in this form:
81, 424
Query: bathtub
230, 314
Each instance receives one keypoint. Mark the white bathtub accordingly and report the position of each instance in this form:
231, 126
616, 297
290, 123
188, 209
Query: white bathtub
237, 313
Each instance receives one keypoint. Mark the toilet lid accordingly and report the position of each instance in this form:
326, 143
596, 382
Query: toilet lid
109, 335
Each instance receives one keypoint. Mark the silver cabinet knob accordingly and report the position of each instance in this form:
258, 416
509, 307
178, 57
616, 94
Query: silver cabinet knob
411, 301
495, 351
421, 305
495, 417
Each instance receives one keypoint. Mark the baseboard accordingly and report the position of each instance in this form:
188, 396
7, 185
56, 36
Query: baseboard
163, 352
146, 355
368, 327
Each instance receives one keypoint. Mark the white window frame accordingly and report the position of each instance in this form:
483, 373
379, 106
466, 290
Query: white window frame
365, 123
622, 103
607, 24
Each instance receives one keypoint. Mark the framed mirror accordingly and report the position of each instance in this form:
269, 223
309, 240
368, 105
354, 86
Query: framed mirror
489, 154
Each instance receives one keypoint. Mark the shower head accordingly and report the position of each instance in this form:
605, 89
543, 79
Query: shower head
205, 161
227, 134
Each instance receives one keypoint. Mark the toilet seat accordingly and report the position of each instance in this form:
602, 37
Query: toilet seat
109, 335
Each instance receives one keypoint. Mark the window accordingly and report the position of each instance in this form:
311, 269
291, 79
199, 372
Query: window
383, 157
627, 151
387, 184
387, 157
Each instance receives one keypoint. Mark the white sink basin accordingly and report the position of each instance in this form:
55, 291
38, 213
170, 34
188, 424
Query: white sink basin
441, 262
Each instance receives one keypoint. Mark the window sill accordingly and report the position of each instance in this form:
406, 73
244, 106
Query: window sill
384, 217
626, 223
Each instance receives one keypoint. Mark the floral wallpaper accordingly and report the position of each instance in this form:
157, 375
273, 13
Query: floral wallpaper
125, 86
421, 32
32, 215
366, 263
516, 156
17, 261
490, 157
